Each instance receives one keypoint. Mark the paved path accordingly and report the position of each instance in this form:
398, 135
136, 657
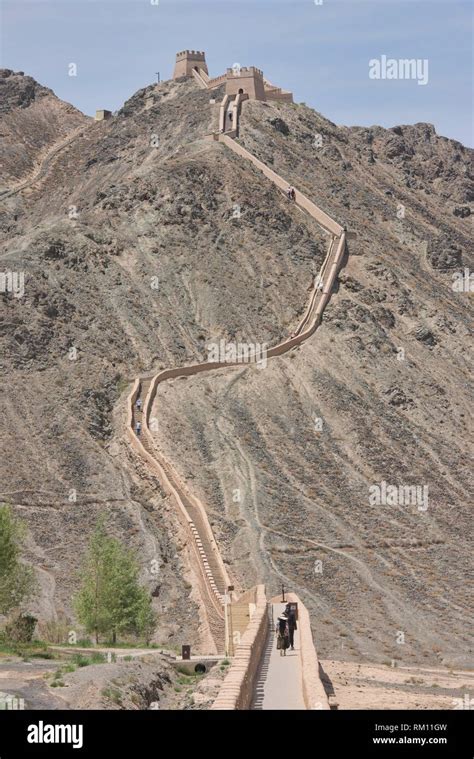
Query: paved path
279, 684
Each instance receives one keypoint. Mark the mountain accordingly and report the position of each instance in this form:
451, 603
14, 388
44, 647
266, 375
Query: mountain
381, 392
33, 120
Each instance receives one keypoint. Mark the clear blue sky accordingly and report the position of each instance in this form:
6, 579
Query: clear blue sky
320, 52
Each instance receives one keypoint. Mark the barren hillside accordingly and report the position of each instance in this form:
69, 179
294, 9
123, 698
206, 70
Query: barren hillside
134, 259
33, 120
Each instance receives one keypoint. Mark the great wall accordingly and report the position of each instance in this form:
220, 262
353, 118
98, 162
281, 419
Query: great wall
240, 622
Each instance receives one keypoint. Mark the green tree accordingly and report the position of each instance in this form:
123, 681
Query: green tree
91, 603
17, 580
131, 610
111, 600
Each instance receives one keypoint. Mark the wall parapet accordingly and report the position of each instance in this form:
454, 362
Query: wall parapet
314, 695
244, 71
197, 54
237, 689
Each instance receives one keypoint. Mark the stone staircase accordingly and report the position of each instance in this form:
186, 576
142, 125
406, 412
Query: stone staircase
205, 548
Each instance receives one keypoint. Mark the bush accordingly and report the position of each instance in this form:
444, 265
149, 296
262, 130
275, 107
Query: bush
280, 126
98, 658
113, 694
20, 628
80, 660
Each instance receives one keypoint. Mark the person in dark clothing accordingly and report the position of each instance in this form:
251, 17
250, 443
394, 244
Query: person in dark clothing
283, 634
291, 615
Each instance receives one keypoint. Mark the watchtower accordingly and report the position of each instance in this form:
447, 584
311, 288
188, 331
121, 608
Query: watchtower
246, 81
188, 60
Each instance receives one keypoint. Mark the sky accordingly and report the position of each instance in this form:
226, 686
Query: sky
319, 50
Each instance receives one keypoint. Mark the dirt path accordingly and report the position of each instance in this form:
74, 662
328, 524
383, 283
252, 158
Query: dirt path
45, 163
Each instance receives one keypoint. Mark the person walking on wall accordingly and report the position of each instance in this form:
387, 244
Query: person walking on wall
138, 428
290, 613
283, 634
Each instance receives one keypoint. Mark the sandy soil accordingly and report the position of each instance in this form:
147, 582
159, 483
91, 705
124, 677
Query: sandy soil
371, 686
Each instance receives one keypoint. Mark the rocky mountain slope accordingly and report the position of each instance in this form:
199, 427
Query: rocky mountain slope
135, 259
33, 120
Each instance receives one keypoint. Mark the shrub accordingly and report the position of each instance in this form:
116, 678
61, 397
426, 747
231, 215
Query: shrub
20, 627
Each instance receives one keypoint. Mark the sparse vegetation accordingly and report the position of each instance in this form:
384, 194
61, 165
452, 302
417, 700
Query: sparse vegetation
17, 580
112, 694
111, 600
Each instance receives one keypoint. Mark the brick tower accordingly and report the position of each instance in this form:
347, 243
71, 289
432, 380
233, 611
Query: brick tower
246, 80
188, 60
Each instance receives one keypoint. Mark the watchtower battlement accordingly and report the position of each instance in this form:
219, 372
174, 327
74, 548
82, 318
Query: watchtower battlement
197, 55
244, 71
238, 80
187, 60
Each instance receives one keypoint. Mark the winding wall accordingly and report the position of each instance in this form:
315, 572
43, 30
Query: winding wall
213, 573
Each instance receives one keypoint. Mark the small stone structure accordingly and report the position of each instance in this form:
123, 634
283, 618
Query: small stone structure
101, 115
